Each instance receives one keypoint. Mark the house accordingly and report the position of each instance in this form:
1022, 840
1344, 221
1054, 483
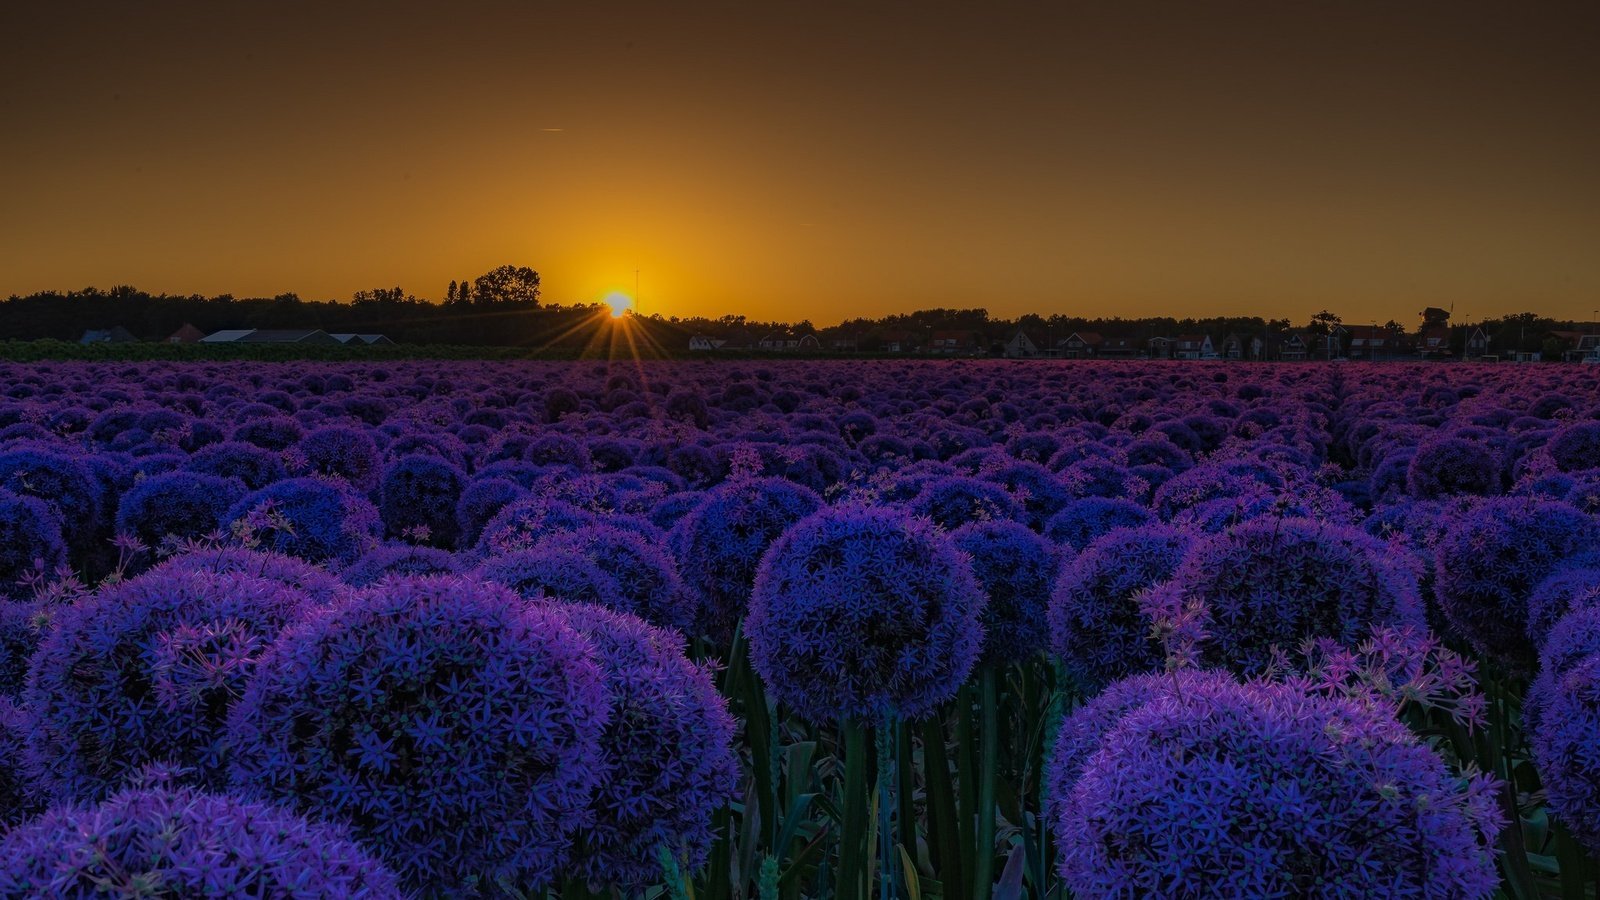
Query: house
808, 342
1160, 347
270, 336
1118, 348
114, 335
1294, 347
897, 341
1433, 342
1373, 342
1194, 346
955, 343
779, 340
1477, 344
738, 340
843, 344
1080, 345
701, 342
1586, 349
188, 334
1239, 346
359, 339
1022, 346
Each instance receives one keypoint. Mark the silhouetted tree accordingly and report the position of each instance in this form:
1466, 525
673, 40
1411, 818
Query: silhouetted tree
507, 286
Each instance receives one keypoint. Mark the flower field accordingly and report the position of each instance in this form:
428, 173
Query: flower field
973, 630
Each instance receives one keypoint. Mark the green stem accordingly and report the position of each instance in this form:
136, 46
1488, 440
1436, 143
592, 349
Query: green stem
966, 767
853, 830
888, 856
943, 833
983, 867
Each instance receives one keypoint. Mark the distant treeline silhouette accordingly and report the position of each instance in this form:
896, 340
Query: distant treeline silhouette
502, 308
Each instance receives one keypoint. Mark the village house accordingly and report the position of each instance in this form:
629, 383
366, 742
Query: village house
1080, 345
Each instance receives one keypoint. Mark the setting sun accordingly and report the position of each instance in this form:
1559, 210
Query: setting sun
621, 305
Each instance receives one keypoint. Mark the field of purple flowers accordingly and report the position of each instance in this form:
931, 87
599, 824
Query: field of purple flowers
970, 630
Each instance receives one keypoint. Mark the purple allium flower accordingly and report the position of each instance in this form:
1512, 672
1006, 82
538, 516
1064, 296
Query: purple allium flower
391, 560
481, 500
1562, 717
176, 505
1263, 791
552, 573
344, 453
145, 672
424, 491
319, 586
1572, 586
316, 519
178, 843
1081, 522
860, 611
63, 482
526, 522
668, 748
1269, 584
1015, 569
1453, 465
720, 542
256, 466
18, 798
1576, 447
1489, 560
957, 500
454, 729
1097, 630
30, 543
274, 433
1211, 480
645, 576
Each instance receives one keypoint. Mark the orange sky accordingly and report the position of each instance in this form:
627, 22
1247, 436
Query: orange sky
814, 160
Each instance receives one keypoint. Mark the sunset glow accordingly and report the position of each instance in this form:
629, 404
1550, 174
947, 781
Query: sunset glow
620, 304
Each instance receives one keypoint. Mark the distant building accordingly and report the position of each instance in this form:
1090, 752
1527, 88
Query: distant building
701, 342
1293, 347
358, 339
1433, 342
898, 341
1477, 345
271, 336
1022, 346
1374, 342
1118, 348
955, 343
114, 335
1194, 346
188, 334
1160, 347
1080, 345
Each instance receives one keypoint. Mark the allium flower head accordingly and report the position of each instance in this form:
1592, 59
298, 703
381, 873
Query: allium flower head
30, 543
398, 560
1261, 790
859, 611
183, 505
668, 747
719, 544
298, 574
421, 490
177, 843
1015, 569
18, 798
1453, 465
145, 672
1097, 630
316, 519
454, 729
1081, 522
1563, 719
552, 573
1269, 584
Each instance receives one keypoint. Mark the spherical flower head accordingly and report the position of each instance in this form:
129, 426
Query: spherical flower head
479, 502
1211, 480
392, 560
176, 505
858, 611
668, 747
316, 519
1576, 447
1082, 522
1263, 791
31, 544
144, 672
177, 843
1562, 718
454, 728
719, 544
1015, 569
1489, 560
956, 500
256, 466
1454, 465
1097, 629
418, 496
551, 573
1269, 584
1034, 487
343, 453
1570, 587
319, 586
22, 625
521, 525
646, 579
63, 482
18, 798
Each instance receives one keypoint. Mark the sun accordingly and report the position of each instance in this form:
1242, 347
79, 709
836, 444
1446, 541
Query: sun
621, 304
